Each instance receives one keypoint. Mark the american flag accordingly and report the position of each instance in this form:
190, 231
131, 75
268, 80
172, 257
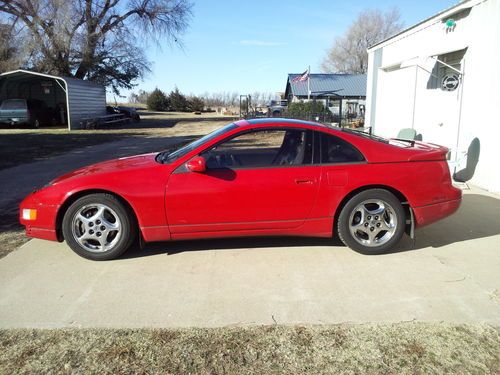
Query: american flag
303, 77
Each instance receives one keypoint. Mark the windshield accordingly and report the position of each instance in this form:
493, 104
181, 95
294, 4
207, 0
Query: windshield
170, 156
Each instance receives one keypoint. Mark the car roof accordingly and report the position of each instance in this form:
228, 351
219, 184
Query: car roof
280, 121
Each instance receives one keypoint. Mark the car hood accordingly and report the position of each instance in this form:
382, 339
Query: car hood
116, 165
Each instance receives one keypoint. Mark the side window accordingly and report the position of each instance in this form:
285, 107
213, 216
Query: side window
336, 150
262, 148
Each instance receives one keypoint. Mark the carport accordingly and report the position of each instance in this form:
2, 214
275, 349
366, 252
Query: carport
69, 99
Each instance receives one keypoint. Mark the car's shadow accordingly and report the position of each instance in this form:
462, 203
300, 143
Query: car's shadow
478, 217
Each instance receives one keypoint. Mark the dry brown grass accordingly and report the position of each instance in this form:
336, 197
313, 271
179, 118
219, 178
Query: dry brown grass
11, 239
406, 348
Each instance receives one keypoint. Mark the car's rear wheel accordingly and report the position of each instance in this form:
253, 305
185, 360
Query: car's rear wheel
372, 222
98, 227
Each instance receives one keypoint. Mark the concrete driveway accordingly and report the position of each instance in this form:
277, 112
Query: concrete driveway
450, 273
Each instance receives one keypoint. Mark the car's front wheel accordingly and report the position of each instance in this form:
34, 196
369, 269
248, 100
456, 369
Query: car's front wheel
98, 227
372, 222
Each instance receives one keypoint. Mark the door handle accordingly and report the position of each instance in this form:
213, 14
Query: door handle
304, 181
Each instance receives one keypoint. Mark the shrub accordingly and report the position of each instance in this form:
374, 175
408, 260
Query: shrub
305, 110
157, 101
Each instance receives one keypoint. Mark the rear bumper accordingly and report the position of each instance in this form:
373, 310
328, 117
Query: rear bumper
425, 215
14, 120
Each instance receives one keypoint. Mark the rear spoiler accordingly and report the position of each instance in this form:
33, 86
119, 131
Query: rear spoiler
437, 153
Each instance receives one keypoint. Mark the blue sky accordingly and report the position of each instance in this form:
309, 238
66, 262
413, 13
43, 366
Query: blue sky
249, 46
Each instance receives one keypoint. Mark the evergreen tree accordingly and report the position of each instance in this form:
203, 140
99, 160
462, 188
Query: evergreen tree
178, 102
157, 101
196, 104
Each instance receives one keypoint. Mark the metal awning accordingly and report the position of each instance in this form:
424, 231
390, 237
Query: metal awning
422, 59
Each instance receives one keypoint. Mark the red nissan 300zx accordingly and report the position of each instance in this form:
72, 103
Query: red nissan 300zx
250, 178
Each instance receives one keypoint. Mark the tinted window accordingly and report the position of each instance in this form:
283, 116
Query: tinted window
336, 150
263, 148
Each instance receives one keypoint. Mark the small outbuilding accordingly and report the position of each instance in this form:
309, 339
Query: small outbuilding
69, 100
439, 79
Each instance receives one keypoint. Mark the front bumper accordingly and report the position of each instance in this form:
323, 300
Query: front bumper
43, 225
429, 214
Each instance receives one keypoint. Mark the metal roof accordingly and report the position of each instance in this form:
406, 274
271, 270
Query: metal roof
22, 74
343, 85
450, 10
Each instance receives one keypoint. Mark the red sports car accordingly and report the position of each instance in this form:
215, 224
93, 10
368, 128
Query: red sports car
250, 178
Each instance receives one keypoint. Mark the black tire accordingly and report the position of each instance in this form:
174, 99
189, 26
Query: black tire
384, 240
119, 239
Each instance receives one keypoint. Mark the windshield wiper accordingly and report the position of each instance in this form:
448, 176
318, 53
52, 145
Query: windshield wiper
162, 157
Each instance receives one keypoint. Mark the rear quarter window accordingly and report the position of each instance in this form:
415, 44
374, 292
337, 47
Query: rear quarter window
336, 150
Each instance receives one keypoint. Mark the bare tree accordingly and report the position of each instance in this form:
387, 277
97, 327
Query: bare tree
234, 98
10, 52
99, 40
349, 51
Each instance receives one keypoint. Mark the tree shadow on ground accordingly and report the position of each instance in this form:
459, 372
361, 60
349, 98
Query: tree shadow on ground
161, 120
478, 217
24, 147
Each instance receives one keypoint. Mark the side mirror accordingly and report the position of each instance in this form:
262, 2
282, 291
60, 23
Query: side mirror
197, 164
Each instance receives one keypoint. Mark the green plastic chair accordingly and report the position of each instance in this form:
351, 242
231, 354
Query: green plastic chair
472, 155
407, 133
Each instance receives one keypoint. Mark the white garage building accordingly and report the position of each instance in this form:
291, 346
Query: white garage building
441, 77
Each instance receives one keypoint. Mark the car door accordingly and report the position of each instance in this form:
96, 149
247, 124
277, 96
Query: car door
258, 180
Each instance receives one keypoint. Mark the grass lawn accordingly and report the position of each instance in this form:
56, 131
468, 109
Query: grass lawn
405, 348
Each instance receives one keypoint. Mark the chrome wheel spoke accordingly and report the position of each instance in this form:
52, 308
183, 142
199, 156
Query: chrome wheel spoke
103, 242
385, 226
82, 218
111, 226
84, 237
98, 215
372, 235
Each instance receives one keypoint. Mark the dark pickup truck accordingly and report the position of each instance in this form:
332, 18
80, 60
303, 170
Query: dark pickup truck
30, 112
